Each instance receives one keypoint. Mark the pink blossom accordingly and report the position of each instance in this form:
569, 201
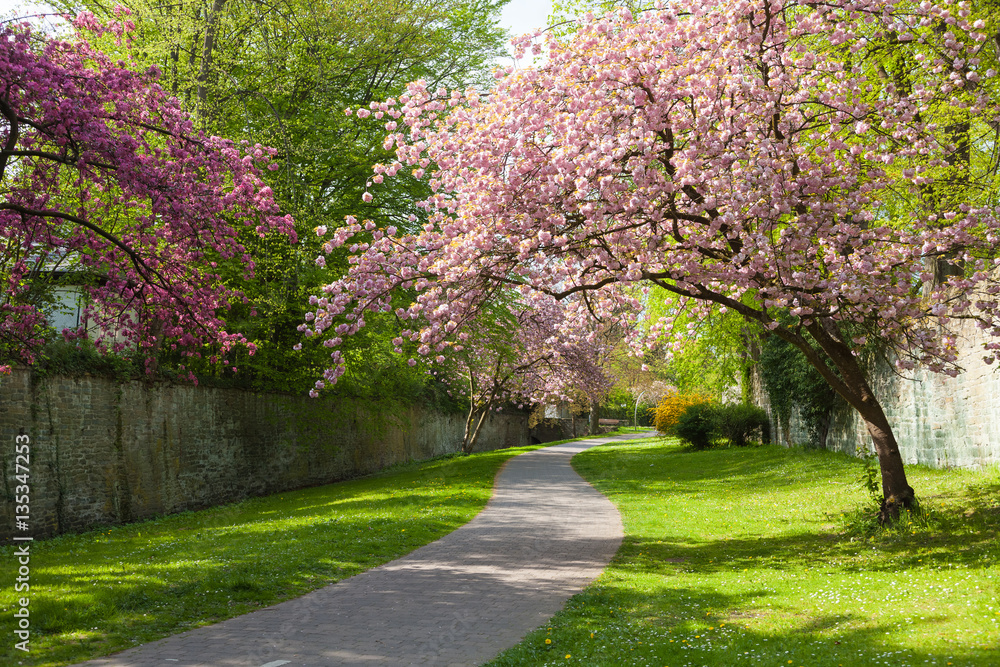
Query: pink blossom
684, 169
94, 142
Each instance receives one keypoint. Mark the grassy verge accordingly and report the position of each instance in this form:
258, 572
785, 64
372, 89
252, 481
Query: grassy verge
100, 592
751, 557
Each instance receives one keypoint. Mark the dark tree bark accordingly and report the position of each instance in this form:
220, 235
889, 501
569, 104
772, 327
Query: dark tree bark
595, 417
851, 382
208, 51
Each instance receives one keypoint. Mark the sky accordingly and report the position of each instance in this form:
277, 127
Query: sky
6, 6
521, 16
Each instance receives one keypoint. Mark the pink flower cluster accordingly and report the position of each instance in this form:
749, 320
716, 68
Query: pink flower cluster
542, 352
100, 168
753, 156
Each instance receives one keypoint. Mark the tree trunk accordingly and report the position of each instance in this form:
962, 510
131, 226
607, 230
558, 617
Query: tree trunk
595, 417
896, 492
942, 268
852, 384
823, 430
208, 53
786, 430
469, 429
473, 427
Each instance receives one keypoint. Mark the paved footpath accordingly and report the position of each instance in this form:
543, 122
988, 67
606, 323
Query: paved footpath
544, 535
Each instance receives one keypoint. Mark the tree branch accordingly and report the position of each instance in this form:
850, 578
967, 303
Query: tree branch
137, 261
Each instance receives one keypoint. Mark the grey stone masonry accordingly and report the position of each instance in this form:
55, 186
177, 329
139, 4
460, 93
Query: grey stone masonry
938, 421
104, 452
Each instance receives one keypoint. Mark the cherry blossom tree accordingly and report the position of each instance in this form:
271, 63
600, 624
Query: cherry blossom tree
784, 160
102, 171
527, 353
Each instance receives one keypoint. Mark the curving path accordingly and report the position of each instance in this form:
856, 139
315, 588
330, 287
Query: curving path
544, 535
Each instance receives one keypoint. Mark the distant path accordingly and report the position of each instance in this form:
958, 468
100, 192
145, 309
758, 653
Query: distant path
544, 535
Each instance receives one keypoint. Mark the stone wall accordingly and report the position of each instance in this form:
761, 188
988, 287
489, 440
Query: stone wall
938, 421
104, 452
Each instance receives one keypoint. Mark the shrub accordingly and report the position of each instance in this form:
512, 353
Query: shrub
698, 424
737, 422
81, 357
702, 423
671, 407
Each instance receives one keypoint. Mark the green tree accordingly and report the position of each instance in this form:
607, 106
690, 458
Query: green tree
792, 383
710, 348
282, 74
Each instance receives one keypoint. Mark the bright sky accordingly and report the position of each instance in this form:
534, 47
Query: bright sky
521, 16
23, 7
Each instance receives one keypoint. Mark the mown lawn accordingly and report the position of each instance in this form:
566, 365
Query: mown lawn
99, 592
760, 557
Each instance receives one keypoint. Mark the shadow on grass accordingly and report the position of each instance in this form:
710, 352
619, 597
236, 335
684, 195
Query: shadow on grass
792, 552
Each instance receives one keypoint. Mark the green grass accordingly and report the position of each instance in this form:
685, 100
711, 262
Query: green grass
760, 557
100, 592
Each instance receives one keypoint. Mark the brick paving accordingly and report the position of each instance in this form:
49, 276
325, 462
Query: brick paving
544, 535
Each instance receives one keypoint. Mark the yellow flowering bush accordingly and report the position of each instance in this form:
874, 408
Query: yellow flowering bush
672, 406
